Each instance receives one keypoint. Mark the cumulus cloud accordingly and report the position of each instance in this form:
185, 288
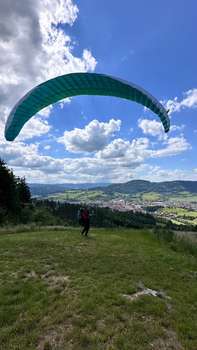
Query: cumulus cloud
189, 101
34, 128
46, 168
174, 146
116, 149
152, 127
13, 153
135, 151
138, 150
93, 137
118, 161
34, 47
45, 112
155, 128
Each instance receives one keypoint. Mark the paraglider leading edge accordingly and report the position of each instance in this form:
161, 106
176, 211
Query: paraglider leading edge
74, 84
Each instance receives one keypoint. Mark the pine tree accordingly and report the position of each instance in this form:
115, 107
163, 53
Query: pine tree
23, 190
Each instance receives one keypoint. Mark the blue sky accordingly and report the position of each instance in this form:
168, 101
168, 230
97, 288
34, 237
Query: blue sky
102, 139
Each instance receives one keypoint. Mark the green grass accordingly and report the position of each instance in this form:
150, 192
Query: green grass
183, 196
181, 216
176, 222
186, 197
151, 196
59, 290
180, 212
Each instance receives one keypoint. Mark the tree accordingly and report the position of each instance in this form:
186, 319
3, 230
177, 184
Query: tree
9, 200
14, 193
23, 190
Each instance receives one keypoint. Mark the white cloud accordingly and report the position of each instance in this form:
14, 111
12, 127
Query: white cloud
138, 150
155, 128
45, 112
64, 101
47, 147
189, 101
156, 173
119, 161
116, 149
14, 151
34, 48
177, 127
34, 128
61, 11
93, 137
129, 152
174, 146
26, 160
152, 127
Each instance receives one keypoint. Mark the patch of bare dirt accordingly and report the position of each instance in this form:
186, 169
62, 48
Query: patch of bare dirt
168, 342
51, 278
54, 281
54, 339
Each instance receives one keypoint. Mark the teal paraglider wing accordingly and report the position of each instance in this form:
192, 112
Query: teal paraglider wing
74, 84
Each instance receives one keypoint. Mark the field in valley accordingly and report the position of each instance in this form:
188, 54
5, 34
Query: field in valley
180, 216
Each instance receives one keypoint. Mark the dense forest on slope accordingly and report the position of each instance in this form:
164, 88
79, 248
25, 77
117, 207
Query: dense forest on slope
66, 213
138, 186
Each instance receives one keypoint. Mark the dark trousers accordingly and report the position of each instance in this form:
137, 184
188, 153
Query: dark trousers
86, 227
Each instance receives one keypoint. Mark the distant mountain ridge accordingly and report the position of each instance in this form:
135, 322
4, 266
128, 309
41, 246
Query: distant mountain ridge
47, 189
139, 186
131, 187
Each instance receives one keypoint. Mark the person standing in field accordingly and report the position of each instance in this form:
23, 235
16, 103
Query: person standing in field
85, 216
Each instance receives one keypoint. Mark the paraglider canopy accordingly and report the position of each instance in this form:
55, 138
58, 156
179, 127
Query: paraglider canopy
74, 84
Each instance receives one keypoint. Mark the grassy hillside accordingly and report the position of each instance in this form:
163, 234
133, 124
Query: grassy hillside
47, 189
87, 196
79, 195
59, 290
